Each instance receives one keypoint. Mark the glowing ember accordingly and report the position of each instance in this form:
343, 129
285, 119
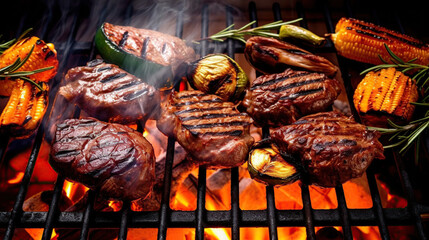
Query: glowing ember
74, 191
16, 179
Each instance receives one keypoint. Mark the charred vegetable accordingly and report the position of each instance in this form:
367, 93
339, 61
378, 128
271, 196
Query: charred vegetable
300, 34
364, 42
267, 165
385, 94
30, 59
269, 55
220, 75
24, 110
149, 55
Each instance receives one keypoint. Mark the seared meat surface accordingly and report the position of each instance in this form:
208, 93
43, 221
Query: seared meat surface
109, 93
107, 156
333, 148
280, 99
212, 131
269, 55
151, 45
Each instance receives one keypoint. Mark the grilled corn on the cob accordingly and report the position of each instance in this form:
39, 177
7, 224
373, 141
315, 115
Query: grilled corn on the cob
364, 42
43, 55
24, 110
385, 94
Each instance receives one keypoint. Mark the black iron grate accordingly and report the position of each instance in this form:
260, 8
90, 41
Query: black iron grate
235, 218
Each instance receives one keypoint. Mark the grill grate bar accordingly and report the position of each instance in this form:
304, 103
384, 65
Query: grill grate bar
376, 201
87, 216
53, 208
344, 213
306, 200
235, 191
165, 200
123, 230
202, 172
412, 205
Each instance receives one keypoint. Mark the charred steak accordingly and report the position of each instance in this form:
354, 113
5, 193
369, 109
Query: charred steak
333, 148
212, 131
108, 93
280, 99
107, 156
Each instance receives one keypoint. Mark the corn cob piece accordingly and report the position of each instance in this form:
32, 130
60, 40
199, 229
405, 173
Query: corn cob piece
364, 42
24, 110
43, 55
385, 94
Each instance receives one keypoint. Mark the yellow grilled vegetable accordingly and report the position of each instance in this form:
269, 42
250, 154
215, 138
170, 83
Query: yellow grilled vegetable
364, 42
220, 75
43, 55
385, 94
24, 110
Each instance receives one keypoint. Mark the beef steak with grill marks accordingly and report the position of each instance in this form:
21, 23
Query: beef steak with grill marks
333, 148
280, 99
212, 131
112, 157
109, 93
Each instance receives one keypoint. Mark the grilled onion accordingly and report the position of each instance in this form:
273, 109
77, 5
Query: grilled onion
268, 166
220, 75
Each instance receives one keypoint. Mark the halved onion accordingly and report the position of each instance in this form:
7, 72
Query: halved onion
268, 166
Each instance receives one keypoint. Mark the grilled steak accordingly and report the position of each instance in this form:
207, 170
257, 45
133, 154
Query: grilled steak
107, 156
109, 93
213, 132
269, 55
151, 45
333, 148
280, 99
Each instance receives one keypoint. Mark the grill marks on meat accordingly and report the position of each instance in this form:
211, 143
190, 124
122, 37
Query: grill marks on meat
151, 45
112, 157
109, 93
212, 131
280, 99
333, 148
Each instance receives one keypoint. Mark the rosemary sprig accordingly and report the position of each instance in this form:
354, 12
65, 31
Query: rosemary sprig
239, 34
11, 71
408, 135
8, 44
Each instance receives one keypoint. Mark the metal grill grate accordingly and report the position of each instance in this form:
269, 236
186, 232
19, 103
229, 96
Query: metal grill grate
235, 218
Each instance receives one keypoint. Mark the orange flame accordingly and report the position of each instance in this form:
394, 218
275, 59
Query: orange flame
17, 178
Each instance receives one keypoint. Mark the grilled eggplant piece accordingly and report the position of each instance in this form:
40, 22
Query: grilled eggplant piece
25, 109
110, 157
385, 94
364, 42
212, 131
333, 148
150, 55
269, 55
43, 55
220, 75
267, 165
109, 93
280, 99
